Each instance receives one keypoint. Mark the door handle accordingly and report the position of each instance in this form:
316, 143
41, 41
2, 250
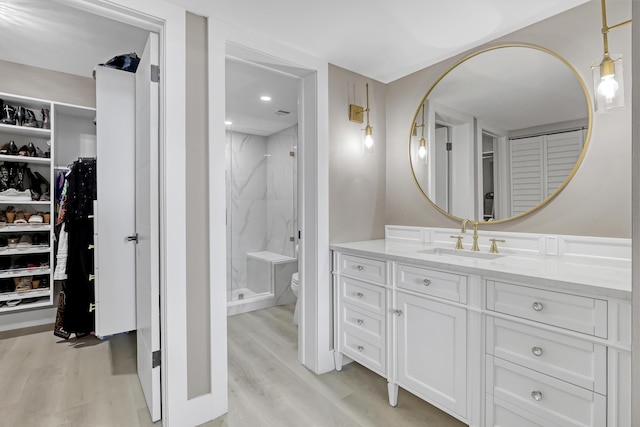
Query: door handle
133, 238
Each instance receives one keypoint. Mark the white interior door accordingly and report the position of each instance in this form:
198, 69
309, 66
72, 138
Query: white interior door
113, 211
147, 228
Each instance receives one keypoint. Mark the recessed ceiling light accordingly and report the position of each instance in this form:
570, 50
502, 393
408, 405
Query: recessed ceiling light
228, 122
265, 98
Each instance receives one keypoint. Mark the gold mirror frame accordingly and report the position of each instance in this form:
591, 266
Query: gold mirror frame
571, 174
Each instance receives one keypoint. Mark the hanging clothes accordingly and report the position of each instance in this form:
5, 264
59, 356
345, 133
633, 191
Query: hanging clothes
78, 223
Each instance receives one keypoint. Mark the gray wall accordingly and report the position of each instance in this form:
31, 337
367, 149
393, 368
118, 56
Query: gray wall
356, 181
597, 202
196, 211
23, 80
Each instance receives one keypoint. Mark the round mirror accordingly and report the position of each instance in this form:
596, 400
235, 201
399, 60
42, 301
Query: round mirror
500, 134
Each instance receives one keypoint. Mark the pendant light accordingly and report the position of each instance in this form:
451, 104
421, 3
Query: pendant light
608, 87
356, 114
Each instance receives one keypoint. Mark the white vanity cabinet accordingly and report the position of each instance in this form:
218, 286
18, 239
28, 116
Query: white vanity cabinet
491, 349
360, 307
544, 356
432, 351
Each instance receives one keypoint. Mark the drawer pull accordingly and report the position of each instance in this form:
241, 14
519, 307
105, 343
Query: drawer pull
537, 351
397, 312
536, 395
537, 306
426, 282
359, 321
360, 267
359, 294
360, 348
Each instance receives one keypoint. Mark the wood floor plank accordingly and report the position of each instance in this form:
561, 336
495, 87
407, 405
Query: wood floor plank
50, 382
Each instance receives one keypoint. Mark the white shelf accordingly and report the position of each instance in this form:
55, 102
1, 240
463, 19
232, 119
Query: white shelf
23, 272
24, 159
34, 249
10, 228
24, 202
33, 293
24, 131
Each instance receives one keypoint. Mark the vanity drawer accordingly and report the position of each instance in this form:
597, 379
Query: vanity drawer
452, 287
579, 362
364, 268
503, 414
367, 326
558, 401
573, 312
369, 355
363, 295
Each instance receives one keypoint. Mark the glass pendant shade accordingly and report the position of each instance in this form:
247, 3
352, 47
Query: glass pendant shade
368, 143
608, 87
422, 149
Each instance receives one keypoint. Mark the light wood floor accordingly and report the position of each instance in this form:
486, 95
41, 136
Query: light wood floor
269, 387
49, 382
46, 381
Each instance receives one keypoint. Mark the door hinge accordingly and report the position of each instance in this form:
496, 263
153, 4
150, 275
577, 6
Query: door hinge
155, 73
449, 146
155, 359
133, 238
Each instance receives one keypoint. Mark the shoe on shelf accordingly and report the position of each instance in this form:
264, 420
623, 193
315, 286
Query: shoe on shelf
36, 219
12, 241
20, 219
8, 115
31, 150
24, 242
24, 284
46, 123
21, 115
30, 120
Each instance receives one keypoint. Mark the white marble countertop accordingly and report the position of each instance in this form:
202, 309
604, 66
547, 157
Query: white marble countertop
601, 276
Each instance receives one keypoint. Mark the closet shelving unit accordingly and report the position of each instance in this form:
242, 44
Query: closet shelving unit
36, 254
67, 125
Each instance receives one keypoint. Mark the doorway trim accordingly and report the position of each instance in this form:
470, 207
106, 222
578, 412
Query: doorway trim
168, 20
315, 341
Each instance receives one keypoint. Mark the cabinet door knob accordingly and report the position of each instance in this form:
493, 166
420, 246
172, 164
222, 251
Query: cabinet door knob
359, 321
536, 395
537, 306
359, 294
360, 267
537, 351
426, 282
360, 348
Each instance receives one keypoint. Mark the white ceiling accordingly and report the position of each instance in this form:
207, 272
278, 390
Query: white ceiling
245, 84
384, 39
380, 39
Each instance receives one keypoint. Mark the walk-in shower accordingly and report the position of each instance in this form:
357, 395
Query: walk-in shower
261, 201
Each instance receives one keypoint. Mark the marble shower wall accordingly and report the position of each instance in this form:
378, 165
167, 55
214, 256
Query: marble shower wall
261, 197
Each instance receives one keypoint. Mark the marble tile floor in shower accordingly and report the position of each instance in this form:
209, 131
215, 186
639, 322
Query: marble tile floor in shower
46, 381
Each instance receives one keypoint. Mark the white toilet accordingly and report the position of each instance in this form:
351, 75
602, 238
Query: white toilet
295, 287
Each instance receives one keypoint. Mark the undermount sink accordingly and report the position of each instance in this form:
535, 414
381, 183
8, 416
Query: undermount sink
460, 253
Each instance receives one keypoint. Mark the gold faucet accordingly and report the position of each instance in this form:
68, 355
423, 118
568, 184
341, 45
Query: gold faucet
474, 247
